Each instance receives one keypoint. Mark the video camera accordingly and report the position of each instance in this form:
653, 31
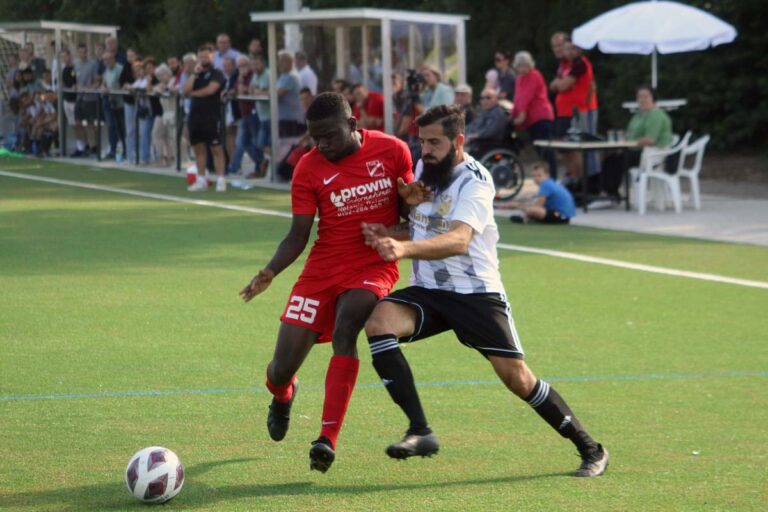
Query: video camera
413, 83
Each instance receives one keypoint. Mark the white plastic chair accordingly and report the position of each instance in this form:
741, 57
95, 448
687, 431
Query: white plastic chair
695, 149
652, 170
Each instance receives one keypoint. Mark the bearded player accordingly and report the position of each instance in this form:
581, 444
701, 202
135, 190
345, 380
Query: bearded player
351, 176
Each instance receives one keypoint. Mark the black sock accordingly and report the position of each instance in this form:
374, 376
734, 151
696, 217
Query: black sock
550, 405
396, 376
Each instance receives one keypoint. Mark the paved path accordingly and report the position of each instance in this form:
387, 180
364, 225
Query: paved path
729, 213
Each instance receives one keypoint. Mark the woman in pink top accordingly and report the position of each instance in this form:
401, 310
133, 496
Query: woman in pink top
532, 110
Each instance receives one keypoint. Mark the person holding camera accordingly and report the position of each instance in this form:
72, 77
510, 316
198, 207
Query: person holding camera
436, 92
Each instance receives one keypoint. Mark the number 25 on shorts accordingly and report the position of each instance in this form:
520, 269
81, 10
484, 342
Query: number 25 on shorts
302, 309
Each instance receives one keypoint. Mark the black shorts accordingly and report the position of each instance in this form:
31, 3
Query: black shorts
482, 321
205, 133
555, 217
86, 108
562, 124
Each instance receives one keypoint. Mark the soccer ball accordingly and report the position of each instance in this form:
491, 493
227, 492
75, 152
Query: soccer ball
154, 475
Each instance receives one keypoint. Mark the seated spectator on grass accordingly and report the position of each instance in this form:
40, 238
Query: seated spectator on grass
45, 124
532, 110
369, 108
489, 126
552, 205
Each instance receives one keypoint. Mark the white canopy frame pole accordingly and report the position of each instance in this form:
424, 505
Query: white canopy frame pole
274, 123
340, 71
366, 63
461, 49
412, 46
437, 43
59, 94
386, 63
654, 69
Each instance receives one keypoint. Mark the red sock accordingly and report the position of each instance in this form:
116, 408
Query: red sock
282, 392
339, 383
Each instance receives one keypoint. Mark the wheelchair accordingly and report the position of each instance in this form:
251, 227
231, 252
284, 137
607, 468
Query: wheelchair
501, 158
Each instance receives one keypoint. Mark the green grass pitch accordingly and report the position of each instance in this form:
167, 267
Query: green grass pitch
103, 294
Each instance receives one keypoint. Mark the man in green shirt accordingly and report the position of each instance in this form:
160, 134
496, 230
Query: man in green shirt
650, 126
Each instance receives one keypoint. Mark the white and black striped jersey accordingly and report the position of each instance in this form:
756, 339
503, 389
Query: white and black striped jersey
469, 199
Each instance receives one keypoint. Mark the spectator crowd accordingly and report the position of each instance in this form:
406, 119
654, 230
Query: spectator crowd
213, 105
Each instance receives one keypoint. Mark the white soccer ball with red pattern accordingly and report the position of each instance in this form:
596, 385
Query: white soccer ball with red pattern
154, 475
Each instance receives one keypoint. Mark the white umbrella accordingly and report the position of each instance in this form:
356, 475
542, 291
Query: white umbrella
653, 27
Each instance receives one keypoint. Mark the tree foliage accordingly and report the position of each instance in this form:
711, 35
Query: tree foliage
725, 86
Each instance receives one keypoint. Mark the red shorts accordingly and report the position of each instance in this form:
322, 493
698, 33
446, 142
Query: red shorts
312, 303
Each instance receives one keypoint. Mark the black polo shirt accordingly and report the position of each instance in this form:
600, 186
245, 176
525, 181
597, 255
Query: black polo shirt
207, 108
69, 81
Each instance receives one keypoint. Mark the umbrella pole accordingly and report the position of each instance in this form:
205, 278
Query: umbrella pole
654, 71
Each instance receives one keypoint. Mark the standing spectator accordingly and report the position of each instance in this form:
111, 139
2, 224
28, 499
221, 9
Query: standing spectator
369, 108
487, 130
588, 112
204, 88
86, 107
436, 92
113, 104
13, 66
255, 48
260, 87
143, 112
223, 51
68, 81
306, 99
155, 107
506, 78
164, 129
46, 83
462, 95
248, 131
231, 111
289, 111
35, 63
572, 86
110, 44
174, 65
129, 105
532, 110
307, 76
189, 61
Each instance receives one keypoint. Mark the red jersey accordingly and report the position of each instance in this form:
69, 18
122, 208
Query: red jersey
361, 187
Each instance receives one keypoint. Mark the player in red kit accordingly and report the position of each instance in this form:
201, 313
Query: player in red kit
351, 176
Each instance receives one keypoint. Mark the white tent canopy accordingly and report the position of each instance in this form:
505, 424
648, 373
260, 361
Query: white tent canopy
652, 27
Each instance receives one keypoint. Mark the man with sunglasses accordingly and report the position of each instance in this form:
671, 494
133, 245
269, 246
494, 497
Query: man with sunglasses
486, 131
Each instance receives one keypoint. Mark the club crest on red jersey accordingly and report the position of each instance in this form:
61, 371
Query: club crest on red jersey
375, 168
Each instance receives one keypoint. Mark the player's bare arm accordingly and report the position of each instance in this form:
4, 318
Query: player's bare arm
372, 232
453, 243
289, 249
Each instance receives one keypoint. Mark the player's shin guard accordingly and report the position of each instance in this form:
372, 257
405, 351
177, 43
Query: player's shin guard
550, 405
281, 392
339, 383
395, 374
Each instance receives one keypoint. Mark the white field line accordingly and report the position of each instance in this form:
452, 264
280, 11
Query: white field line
510, 247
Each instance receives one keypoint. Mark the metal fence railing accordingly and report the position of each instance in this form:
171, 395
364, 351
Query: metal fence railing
137, 95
